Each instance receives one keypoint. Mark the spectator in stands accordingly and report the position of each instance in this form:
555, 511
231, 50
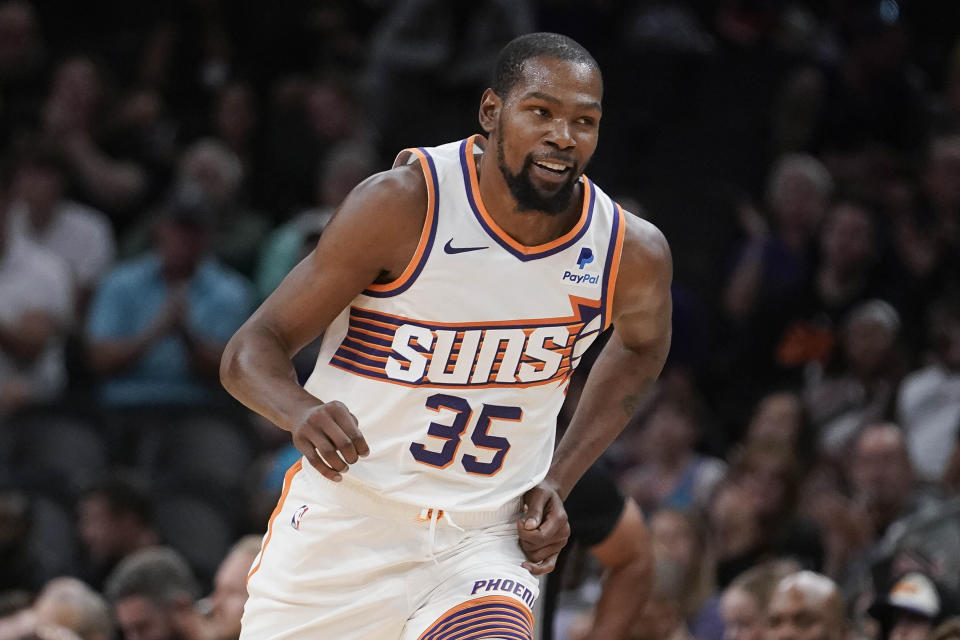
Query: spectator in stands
798, 192
345, 167
36, 288
681, 537
667, 470
234, 123
72, 604
662, 618
862, 386
882, 479
843, 523
211, 173
230, 591
71, 116
928, 406
744, 602
114, 519
769, 476
42, 213
158, 324
799, 326
781, 419
23, 61
153, 594
909, 610
805, 606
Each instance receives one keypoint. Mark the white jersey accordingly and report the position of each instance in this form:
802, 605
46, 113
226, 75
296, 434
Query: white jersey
456, 371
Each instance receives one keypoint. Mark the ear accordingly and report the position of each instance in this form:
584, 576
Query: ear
490, 105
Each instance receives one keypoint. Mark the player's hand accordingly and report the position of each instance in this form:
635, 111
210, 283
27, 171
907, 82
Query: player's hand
543, 528
329, 437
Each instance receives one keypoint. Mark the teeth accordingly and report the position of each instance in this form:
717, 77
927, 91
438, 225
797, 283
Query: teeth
552, 166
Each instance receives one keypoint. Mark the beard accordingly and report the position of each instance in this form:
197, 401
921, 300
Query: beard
526, 194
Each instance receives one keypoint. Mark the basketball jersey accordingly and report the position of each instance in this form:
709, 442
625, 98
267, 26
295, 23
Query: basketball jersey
456, 370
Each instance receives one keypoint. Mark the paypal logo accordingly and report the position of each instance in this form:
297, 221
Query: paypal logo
586, 257
581, 278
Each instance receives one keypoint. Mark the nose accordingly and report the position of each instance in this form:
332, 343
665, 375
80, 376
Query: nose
559, 135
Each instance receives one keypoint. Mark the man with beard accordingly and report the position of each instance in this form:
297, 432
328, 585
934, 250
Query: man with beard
456, 293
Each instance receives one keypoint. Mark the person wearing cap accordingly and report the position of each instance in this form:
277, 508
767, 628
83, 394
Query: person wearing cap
910, 610
158, 323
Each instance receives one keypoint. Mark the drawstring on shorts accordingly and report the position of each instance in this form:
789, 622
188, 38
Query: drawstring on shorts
434, 516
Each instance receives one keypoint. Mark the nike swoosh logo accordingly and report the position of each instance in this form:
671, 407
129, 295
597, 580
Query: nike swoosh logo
449, 248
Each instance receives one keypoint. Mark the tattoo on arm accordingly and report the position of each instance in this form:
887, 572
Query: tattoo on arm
632, 402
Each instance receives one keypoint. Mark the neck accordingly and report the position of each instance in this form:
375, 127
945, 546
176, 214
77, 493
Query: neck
530, 228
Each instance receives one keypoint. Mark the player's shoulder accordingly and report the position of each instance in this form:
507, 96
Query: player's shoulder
400, 187
390, 202
644, 245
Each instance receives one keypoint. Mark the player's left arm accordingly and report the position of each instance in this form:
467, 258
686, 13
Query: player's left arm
621, 378
631, 360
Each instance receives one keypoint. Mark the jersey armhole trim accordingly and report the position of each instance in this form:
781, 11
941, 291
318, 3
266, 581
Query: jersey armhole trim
613, 263
419, 259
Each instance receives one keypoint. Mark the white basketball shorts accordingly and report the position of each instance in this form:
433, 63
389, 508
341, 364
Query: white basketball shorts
340, 563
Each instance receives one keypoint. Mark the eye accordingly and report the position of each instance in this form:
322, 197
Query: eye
586, 121
540, 111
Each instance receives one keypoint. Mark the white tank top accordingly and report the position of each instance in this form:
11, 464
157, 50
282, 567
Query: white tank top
456, 371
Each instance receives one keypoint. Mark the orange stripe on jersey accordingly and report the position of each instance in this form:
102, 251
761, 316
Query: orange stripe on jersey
424, 242
378, 347
361, 353
287, 480
615, 265
522, 248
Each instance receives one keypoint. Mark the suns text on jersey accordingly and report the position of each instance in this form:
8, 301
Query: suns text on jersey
503, 353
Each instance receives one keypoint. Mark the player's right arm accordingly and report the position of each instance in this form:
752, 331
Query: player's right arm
371, 238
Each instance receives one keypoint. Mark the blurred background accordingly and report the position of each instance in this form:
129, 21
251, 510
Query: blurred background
164, 165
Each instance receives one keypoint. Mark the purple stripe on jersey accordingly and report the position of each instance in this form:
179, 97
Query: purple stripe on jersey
433, 234
383, 331
471, 198
356, 358
587, 313
366, 337
372, 315
367, 349
611, 249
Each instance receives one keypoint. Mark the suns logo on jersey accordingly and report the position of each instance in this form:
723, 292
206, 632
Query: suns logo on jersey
518, 353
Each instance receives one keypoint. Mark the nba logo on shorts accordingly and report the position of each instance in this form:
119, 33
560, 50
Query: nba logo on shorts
586, 257
298, 516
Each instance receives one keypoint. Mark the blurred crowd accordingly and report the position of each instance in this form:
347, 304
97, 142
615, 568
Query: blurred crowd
164, 165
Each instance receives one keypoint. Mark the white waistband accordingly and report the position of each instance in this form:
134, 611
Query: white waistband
359, 497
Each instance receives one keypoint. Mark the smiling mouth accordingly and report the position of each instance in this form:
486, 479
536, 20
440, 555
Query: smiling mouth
553, 167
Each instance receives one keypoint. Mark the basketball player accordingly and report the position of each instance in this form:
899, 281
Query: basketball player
456, 292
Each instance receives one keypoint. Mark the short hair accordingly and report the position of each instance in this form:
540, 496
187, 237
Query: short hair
91, 615
159, 574
803, 163
510, 61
